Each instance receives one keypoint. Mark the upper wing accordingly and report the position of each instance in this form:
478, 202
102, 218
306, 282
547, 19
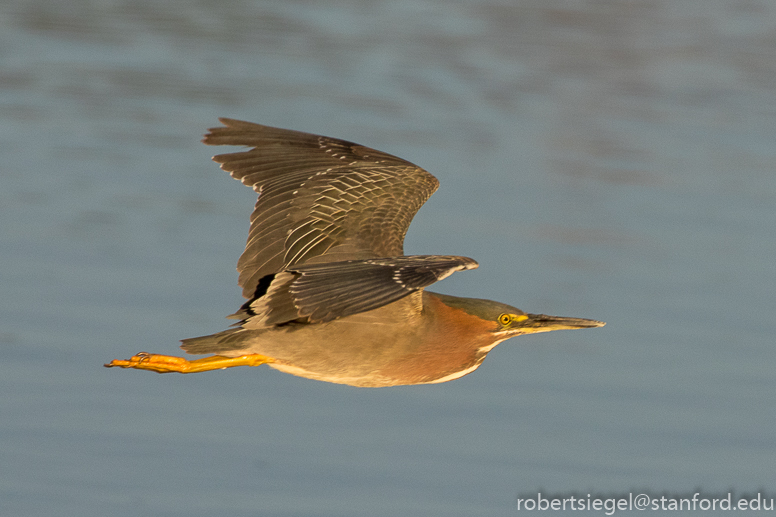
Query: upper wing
323, 292
320, 199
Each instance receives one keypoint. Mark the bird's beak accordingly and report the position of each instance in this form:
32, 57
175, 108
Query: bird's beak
542, 323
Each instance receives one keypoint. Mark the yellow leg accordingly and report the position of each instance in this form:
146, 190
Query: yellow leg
167, 363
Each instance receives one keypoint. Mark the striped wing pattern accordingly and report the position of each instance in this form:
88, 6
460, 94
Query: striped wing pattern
322, 292
320, 199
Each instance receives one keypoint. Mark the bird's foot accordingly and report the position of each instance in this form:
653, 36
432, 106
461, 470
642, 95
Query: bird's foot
168, 363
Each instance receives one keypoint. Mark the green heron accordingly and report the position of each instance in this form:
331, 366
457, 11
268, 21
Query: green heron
331, 295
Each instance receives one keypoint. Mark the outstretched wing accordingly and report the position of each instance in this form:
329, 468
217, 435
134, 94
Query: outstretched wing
320, 199
316, 293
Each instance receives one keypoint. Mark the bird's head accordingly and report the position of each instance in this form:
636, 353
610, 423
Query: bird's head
506, 321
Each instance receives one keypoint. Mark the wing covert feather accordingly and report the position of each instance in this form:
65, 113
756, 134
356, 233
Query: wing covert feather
320, 199
321, 292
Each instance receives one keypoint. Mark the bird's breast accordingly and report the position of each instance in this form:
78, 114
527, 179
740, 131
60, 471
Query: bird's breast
393, 345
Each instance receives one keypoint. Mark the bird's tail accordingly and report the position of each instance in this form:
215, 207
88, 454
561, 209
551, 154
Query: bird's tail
232, 340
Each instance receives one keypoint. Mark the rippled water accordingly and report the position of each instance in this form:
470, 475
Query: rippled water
611, 160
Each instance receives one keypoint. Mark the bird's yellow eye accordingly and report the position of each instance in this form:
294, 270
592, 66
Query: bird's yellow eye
504, 319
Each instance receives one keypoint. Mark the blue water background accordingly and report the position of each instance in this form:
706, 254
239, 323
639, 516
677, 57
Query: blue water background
606, 159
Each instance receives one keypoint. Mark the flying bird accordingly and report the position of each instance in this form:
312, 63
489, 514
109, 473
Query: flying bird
331, 295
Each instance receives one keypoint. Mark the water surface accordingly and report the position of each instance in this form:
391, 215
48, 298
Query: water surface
610, 160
